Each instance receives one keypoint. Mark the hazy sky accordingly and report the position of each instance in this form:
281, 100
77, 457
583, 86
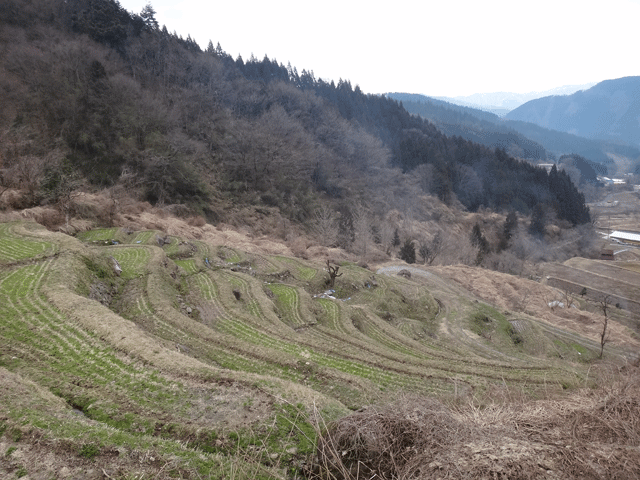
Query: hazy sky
443, 48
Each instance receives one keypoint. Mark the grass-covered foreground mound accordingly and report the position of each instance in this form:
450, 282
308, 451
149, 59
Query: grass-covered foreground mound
138, 355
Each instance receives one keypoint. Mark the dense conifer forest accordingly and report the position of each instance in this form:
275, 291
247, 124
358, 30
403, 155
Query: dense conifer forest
108, 97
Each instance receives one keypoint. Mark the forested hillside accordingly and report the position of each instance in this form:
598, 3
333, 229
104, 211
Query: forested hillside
520, 138
608, 111
476, 125
98, 97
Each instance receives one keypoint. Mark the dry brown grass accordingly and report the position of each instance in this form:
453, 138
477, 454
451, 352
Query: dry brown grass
385, 442
589, 434
17, 390
46, 216
527, 296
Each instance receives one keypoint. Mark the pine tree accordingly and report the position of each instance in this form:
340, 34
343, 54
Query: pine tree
443, 186
538, 222
509, 227
148, 15
396, 238
408, 251
478, 240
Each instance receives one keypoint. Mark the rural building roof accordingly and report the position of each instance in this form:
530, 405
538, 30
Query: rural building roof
633, 237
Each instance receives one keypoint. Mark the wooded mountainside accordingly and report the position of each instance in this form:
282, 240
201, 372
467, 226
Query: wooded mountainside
521, 138
609, 110
476, 125
97, 95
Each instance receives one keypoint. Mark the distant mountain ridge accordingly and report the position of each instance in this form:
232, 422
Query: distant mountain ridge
472, 124
501, 103
523, 139
609, 111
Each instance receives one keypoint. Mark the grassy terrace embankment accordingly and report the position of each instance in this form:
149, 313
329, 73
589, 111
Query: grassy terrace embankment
209, 359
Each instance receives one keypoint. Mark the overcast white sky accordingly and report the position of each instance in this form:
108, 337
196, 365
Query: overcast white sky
437, 48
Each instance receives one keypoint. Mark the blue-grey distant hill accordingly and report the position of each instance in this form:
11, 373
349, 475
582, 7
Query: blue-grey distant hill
526, 140
471, 124
502, 103
609, 111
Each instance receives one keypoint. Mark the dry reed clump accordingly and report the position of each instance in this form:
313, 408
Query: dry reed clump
130, 206
196, 221
15, 199
299, 246
77, 225
48, 217
98, 208
321, 254
385, 442
589, 434
615, 419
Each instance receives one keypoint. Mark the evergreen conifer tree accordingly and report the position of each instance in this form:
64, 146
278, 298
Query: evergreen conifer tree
408, 251
478, 240
538, 222
148, 15
508, 229
396, 238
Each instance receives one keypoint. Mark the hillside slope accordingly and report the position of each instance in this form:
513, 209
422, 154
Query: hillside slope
95, 98
502, 103
609, 110
201, 359
524, 139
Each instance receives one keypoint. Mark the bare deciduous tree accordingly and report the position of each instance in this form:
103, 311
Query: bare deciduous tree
604, 305
4, 182
28, 171
333, 273
60, 184
567, 295
429, 250
457, 249
386, 236
326, 226
361, 229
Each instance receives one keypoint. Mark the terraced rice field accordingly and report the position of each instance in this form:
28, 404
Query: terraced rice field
61, 356
229, 255
98, 235
15, 247
300, 270
132, 260
148, 237
250, 325
188, 265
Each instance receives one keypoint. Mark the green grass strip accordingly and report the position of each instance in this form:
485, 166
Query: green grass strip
14, 248
98, 235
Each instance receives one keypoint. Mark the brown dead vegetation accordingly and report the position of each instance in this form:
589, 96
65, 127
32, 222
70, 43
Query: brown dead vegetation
517, 294
590, 434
